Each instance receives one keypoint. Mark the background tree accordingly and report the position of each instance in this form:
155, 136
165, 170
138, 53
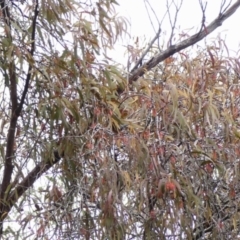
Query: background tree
91, 149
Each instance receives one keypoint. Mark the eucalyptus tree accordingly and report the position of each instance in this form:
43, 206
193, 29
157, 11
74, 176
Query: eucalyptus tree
94, 149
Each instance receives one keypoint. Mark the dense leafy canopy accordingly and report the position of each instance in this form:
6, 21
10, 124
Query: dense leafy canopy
90, 150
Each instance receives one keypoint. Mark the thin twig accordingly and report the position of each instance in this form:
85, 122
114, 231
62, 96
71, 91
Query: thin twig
173, 24
203, 8
138, 72
140, 60
34, 24
28, 182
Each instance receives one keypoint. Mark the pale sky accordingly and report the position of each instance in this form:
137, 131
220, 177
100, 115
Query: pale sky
190, 17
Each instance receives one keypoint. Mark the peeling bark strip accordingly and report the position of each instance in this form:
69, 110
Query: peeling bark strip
136, 73
7, 200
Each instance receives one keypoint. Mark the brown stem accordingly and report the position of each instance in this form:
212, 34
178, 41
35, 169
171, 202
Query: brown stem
136, 73
16, 109
8, 167
26, 183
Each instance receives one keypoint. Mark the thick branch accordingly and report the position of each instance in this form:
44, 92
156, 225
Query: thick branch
16, 109
34, 23
140, 60
15, 112
28, 182
6, 15
136, 73
8, 167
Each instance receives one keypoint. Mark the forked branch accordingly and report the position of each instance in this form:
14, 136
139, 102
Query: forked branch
136, 73
16, 109
29, 180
